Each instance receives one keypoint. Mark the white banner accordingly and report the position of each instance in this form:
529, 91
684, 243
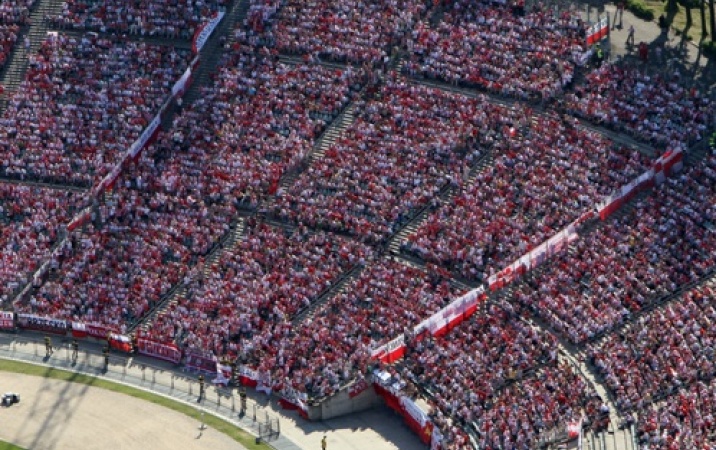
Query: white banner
146, 136
7, 320
204, 32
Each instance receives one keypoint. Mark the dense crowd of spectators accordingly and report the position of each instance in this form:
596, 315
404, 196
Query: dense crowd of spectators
31, 219
656, 108
258, 120
660, 352
138, 245
665, 242
170, 19
684, 420
542, 179
83, 102
15, 11
406, 144
334, 345
480, 44
354, 31
8, 38
263, 281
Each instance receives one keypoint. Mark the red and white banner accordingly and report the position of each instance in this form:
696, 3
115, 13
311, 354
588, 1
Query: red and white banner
416, 419
167, 352
451, 315
390, 352
180, 86
7, 320
94, 330
147, 136
200, 363
248, 376
358, 388
203, 32
120, 342
223, 374
80, 219
598, 31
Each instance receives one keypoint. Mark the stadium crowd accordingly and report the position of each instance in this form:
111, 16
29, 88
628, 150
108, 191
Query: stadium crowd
31, 220
83, 102
169, 19
486, 45
15, 11
657, 108
665, 242
334, 344
661, 352
8, 38
258, 284
355, 31
406, 143
541, 180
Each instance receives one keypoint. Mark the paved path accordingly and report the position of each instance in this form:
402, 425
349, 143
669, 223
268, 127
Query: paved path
377, 429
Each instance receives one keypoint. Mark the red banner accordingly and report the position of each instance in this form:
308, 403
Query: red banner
195, 361
167, 352
358, 388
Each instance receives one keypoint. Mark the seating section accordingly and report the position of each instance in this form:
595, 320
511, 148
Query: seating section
257, 121
660, 353
684, 420
406, 144
665, 242
8, 38
167, 19
31, 220
15, 11
334, 345
657, 108
269, 276
479, 44
83, 102
543, 179
354, 31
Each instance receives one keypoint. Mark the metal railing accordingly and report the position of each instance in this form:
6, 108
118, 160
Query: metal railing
224, 402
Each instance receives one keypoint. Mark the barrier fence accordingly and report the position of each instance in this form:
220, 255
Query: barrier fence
226, 402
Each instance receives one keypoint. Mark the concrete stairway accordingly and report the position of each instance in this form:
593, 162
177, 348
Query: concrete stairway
179, 291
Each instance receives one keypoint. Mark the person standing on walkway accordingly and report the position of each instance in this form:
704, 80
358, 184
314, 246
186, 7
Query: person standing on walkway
630, 37
201, 388
324, 443
75, 347
48, 347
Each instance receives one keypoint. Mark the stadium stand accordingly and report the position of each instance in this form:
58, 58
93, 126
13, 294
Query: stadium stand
487, 46
169, 19
83, 102
235, 237
542, 179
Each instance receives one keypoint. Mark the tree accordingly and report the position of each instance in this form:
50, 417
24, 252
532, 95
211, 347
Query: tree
713, 20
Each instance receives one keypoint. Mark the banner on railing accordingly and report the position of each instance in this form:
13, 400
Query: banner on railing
248, 376
416, 419
358, 388
44, 324
80, 219
200, 363
180, 86
390, 352
223, 374
167, 352
7, 320
451, 315
147, 136
203, 32
94, 330
120, 342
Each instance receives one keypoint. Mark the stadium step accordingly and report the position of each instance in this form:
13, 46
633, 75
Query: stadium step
329, 137
335, 289
179, 290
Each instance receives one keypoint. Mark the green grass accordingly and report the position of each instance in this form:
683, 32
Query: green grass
9, 446
237, 434
679, 21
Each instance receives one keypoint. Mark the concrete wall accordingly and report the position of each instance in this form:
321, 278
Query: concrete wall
342, 404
